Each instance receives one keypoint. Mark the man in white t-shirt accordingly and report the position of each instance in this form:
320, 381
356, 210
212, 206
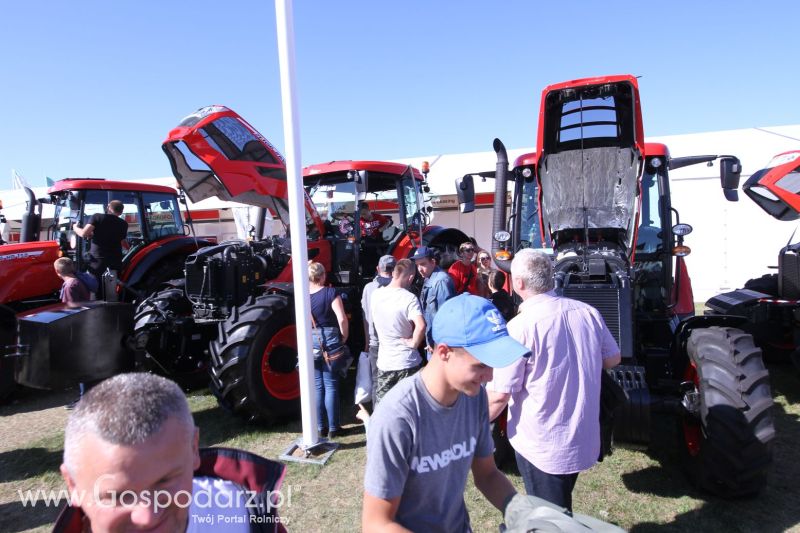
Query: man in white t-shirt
397, 319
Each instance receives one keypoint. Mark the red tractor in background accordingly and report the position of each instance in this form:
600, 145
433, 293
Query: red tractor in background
595, 196
235, 304
53, 346
771, 303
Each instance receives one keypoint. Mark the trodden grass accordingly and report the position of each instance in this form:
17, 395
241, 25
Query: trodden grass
641, 491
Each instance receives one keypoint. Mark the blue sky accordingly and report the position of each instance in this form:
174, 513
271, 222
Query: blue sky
91, 88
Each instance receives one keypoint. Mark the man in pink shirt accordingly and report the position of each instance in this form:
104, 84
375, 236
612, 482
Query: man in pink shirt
553, 397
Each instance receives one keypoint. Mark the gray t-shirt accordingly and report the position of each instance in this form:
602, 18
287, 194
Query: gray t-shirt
422, 451
366, 295
393, 313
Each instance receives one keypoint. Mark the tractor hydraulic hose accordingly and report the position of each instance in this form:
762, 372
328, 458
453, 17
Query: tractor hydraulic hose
500, 193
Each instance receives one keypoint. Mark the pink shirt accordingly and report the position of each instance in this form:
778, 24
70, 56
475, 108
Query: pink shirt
554, 410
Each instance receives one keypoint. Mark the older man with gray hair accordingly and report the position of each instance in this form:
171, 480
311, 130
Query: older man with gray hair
132, 461
553, 397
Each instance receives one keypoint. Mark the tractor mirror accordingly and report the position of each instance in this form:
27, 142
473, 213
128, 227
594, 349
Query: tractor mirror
730, 169
465, 190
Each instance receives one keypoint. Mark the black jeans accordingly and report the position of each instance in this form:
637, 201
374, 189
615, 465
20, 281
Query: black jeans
555, 488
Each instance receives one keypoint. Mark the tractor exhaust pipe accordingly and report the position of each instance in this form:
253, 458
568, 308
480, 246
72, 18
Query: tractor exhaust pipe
31, 221
500, 193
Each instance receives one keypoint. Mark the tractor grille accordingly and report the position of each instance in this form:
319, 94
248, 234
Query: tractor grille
604, 299
615, 306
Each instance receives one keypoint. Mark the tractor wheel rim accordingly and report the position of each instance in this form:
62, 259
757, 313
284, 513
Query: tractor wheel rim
692, 430
281, 385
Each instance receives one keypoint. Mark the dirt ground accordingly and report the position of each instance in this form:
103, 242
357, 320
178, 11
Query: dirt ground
33, 414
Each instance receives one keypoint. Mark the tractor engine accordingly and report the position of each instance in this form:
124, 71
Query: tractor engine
219, 278
600, 278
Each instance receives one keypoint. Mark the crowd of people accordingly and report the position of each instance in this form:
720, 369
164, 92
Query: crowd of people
446, 359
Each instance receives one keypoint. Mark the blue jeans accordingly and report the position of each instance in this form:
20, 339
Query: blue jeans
327, 384
327, 377
555, 488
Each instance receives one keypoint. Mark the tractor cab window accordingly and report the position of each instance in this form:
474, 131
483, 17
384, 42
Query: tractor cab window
335, 203
530, 232
162, 215
414, 210
402, 197
65, 214
97, 202
649, 237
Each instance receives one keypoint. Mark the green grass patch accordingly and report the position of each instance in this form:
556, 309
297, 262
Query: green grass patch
641, 490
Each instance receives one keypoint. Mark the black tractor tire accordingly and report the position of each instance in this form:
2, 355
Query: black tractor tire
767, 284
254, 360
159, 341
732, 448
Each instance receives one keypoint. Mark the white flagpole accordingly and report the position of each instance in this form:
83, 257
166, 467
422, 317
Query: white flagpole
302, 305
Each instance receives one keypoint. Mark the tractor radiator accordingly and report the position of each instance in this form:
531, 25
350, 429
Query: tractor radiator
614, 305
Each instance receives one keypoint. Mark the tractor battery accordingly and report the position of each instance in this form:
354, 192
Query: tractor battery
60, 346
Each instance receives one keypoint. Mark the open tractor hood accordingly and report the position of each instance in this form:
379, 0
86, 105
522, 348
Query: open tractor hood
776, 188
215, 153
590, 144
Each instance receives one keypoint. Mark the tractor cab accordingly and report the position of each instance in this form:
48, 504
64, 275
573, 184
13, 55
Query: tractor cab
358, 199
151, 211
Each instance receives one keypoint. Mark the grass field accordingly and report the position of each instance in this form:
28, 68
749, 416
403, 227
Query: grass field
642, 491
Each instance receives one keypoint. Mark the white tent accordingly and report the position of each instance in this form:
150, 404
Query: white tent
731, 242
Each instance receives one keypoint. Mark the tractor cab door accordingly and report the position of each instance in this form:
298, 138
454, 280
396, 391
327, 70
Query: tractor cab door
653, 248
336, 204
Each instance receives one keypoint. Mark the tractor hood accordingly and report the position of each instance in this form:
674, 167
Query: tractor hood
776, 188
215, 152
591, 149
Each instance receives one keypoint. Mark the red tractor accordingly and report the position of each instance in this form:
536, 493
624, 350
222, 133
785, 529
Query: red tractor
596, 197
771, 303
235, 304
51, 345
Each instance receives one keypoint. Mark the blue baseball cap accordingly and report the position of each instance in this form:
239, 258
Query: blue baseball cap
475, 324
423, 252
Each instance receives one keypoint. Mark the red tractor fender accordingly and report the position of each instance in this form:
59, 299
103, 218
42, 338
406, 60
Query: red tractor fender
434, 236
682, 293
154, 253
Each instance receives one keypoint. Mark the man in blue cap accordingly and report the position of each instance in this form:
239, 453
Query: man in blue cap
437, 288
432, 428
